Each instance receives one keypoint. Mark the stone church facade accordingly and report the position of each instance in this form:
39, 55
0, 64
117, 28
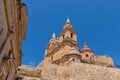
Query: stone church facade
65, 49
62, 57
13, 20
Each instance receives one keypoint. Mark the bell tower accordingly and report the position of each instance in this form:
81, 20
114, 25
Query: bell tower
68, 32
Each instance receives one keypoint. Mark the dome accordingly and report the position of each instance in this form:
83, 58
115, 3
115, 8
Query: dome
85, 48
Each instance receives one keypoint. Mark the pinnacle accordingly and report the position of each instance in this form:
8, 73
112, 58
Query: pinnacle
68, 20
68, 23
53, 36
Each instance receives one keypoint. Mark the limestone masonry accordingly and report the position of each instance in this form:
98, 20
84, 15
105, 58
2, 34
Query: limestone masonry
63, 61
13, 21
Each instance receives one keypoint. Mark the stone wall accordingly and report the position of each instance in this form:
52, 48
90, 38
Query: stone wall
104, 60
79, 71
76, 71
13, 20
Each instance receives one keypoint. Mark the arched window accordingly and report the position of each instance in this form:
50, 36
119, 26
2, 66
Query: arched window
71, 35
63, 36
87, 55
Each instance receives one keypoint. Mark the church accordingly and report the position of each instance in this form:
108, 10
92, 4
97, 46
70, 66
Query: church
64, 50
62, 57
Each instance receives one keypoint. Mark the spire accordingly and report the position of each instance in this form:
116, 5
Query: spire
54, 36
68, 20
68, 23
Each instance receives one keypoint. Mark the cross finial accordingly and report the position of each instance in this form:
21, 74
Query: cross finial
85, 45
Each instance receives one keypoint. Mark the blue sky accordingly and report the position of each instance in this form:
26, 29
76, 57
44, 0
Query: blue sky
96, 21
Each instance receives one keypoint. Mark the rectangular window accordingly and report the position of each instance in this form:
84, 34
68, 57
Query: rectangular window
71, 35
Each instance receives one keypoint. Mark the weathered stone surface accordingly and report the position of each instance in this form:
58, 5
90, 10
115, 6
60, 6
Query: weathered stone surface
76, 71
13, 20
63, 61
79, 71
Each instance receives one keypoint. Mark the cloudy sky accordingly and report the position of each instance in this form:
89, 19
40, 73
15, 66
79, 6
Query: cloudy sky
96, 22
